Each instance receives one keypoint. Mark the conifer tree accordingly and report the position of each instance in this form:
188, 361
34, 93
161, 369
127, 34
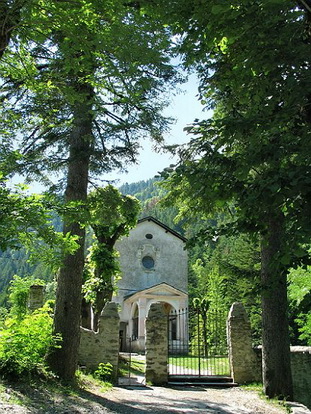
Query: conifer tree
81, 84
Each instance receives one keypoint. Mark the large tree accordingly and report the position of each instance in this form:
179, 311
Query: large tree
252, 158
81, 85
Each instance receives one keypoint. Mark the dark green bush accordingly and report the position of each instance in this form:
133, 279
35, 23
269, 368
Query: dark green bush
24, 343
104, 372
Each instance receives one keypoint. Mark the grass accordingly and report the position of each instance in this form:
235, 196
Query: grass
258, 388
41, 392
12, 396
218, 365
88, 381
136, 367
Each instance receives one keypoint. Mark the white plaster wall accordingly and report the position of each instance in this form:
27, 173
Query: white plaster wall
171, 260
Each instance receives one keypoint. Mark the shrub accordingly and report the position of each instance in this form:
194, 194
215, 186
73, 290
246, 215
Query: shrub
24, 343
104, 371
19, 292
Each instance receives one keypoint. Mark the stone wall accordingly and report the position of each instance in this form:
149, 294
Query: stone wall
246, 361
36, 297
167, 251
101, 346
300, 357
156, 345
301, 373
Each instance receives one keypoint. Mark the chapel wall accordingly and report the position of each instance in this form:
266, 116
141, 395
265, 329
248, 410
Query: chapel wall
167, 251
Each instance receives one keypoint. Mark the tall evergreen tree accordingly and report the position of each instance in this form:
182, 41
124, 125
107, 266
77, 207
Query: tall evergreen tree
81, 87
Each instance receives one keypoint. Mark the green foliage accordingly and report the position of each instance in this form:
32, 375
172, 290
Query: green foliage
299, 292
104, 371
19, 293
150, 193
79, 56
111, 215
229, 272
211, 284
100, 282
27, 220
300, 284
252, 157
304, 323
3, 315
25, 342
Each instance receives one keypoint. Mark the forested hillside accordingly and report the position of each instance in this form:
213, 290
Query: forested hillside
149, 193
227, 269
19, 262
224, 270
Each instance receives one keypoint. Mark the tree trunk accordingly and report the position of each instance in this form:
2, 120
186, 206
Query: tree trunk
9, 19
86, 314
277, 377
105, 292
102, 297
63, 361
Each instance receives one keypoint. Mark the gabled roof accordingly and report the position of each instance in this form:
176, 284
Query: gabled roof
167, 287
166, 228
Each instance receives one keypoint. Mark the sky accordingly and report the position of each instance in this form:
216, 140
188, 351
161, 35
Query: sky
185, 107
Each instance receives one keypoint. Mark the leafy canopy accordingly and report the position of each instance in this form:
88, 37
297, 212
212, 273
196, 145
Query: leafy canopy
112, 215
111, 58
252, 158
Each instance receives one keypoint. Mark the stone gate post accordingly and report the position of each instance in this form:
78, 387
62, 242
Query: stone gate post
109, 325
102, 346
243, 359
36, 297
156, 345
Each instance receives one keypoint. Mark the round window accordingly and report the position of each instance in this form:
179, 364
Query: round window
148, 262
149, 236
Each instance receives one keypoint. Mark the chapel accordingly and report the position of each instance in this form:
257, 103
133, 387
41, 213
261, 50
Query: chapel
154, 268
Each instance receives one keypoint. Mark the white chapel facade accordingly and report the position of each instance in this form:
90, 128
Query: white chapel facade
154, 268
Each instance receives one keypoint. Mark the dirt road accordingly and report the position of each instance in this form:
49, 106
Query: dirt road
143, 400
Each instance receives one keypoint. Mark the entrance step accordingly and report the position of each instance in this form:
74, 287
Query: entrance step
208, 381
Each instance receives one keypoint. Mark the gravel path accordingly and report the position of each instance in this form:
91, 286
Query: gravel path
142, 400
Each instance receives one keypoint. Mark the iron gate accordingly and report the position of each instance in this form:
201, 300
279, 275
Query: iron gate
197, 344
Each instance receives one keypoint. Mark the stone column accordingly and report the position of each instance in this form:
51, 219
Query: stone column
109, 326
243, 360
142, 303
35, 300
156, 345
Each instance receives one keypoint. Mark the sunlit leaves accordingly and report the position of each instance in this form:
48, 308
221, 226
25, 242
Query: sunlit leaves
117, 50
254, 70
111, 216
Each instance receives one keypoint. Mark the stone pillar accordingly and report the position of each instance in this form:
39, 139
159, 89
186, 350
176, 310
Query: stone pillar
142, 303
156, 345
109, 326
243, 360
35, 299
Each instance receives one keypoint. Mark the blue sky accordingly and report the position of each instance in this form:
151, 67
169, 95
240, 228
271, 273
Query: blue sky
185, 107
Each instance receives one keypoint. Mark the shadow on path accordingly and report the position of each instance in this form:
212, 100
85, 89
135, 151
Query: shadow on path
155, 400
